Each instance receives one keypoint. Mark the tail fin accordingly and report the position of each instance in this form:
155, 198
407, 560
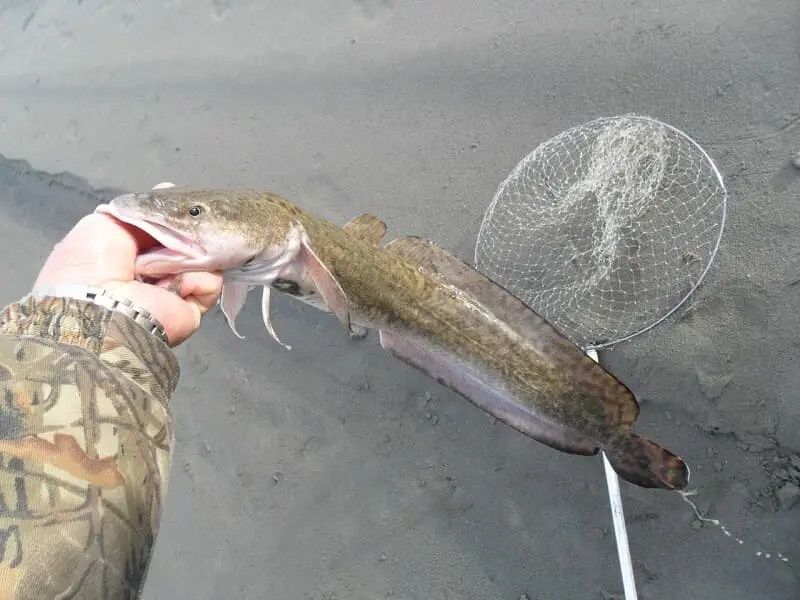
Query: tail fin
647, 464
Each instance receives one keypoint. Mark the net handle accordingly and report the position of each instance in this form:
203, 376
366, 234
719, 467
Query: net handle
618, 517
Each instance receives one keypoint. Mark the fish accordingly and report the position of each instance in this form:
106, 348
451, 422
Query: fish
432, 310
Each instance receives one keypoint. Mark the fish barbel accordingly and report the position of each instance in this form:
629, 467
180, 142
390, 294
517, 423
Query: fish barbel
433, 311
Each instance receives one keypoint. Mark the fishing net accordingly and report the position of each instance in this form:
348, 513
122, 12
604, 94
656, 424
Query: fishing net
606, 228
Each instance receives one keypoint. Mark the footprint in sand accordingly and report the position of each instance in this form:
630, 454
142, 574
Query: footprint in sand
221, 8
374, 10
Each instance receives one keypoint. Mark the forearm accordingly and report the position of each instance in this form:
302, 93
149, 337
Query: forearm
85, 448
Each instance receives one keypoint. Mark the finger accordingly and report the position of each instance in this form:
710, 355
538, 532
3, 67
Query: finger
96, 236
96, 250
201, 287
180, 317
98, 228
140, 238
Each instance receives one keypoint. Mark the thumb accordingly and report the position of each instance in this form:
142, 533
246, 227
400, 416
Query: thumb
179, 302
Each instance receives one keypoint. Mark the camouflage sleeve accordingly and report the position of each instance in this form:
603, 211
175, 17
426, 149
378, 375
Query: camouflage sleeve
85, 448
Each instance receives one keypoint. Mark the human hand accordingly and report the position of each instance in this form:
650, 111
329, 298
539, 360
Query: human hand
100, 251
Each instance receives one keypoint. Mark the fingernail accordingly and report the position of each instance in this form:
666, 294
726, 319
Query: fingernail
198, 316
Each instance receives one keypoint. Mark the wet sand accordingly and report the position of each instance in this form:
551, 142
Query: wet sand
333, 471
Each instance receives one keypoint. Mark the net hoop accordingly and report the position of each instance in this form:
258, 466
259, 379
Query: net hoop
500, 195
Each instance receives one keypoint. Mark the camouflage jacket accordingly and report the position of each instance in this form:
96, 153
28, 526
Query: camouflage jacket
85, 448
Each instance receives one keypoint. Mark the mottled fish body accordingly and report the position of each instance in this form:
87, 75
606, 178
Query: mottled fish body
433, 311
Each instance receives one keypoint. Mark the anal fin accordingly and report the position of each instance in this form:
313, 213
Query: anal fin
620, 404
490, 397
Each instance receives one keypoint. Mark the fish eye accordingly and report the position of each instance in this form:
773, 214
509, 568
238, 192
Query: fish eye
195, 211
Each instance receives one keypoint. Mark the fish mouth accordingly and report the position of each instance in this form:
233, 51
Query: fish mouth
172, 247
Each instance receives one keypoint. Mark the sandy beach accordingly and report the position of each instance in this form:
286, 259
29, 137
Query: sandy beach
332, 471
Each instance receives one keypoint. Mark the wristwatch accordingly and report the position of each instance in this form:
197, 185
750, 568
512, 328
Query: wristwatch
106, 299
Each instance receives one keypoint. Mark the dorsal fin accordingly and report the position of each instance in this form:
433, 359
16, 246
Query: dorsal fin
367, 228
620, 404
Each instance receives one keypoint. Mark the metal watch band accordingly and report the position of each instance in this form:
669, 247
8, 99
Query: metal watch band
106, 299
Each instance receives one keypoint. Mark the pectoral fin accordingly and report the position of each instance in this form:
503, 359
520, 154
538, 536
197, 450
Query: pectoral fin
488, 395
231, 302
619, 403
265, 314
326, 284
367, 228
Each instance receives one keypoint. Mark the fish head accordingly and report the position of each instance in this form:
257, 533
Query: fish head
202, 230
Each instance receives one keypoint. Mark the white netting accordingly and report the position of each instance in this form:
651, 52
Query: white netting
605, 228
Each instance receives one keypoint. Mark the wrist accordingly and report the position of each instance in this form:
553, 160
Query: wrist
109, 299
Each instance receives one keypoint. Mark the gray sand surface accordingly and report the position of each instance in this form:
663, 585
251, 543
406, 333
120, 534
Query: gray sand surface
333, 471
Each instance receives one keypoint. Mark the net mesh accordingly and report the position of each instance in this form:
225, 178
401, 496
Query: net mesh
605, 228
